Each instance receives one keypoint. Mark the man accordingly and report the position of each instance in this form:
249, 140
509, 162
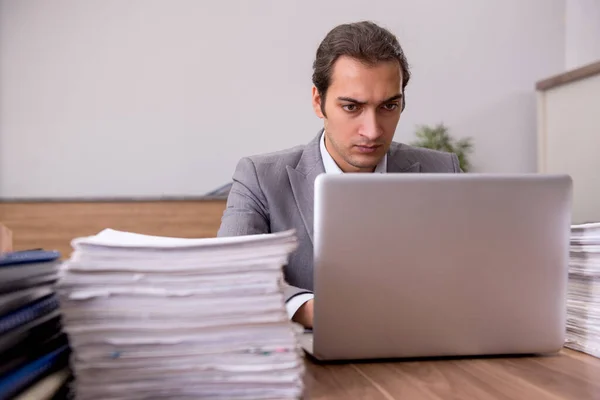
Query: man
360, 73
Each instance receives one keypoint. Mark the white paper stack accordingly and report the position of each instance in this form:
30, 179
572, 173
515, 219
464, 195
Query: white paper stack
583, 298
153, 317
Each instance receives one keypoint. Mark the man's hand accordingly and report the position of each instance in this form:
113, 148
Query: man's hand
304, 315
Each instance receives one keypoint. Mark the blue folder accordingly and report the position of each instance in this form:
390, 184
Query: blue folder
20, 379
28, 257
24, 269
28, 313
12, 301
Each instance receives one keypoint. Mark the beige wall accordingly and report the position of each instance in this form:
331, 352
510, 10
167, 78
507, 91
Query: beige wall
570, 141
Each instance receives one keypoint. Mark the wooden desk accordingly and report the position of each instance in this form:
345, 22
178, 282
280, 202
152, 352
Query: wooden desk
53, 224
567, 375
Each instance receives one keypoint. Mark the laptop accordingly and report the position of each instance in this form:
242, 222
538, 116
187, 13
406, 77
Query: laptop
438, 265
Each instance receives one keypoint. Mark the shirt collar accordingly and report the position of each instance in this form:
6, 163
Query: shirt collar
332, 168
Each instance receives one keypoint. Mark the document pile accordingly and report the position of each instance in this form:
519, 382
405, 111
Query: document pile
33, 349
583, 299
156, 317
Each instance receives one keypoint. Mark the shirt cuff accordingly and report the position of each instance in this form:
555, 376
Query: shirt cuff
293, 304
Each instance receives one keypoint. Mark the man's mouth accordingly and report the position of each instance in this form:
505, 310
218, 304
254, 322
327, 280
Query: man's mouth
367, 149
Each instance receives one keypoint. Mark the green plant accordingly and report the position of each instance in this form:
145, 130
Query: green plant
438, 138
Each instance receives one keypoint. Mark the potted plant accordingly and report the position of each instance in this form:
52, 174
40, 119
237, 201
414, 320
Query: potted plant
438, 138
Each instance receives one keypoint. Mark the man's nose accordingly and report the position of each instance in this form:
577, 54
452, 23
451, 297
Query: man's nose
370, 126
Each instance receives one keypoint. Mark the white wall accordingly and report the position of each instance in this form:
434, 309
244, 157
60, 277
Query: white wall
569, 141
149, 97
582, 32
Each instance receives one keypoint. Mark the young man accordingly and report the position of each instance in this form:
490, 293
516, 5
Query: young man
360, 73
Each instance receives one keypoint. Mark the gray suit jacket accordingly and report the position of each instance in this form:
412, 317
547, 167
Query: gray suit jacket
274, 192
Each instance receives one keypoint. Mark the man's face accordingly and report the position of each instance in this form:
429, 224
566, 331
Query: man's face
362, 107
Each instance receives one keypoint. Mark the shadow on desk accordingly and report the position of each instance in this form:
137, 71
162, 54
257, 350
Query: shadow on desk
314, 360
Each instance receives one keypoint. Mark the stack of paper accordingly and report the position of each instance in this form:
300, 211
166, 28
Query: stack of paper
583, 299
154, 317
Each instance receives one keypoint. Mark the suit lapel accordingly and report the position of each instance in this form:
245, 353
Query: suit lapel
302, 180
399, 162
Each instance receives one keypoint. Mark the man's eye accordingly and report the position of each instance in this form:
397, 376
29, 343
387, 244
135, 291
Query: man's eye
350, 107
390, 106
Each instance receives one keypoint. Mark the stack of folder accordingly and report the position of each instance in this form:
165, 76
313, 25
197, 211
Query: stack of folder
583, 298
155, 317
33, 348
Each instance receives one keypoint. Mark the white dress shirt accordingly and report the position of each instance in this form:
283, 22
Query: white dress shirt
331, 167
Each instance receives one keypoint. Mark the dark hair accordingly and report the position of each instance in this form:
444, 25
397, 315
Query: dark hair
364, 41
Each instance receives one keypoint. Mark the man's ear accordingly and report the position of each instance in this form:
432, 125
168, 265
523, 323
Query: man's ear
316, 103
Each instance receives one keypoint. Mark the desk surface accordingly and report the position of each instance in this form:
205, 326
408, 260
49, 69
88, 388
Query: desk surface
567, 375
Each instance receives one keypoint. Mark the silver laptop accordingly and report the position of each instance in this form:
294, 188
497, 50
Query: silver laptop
433, 265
